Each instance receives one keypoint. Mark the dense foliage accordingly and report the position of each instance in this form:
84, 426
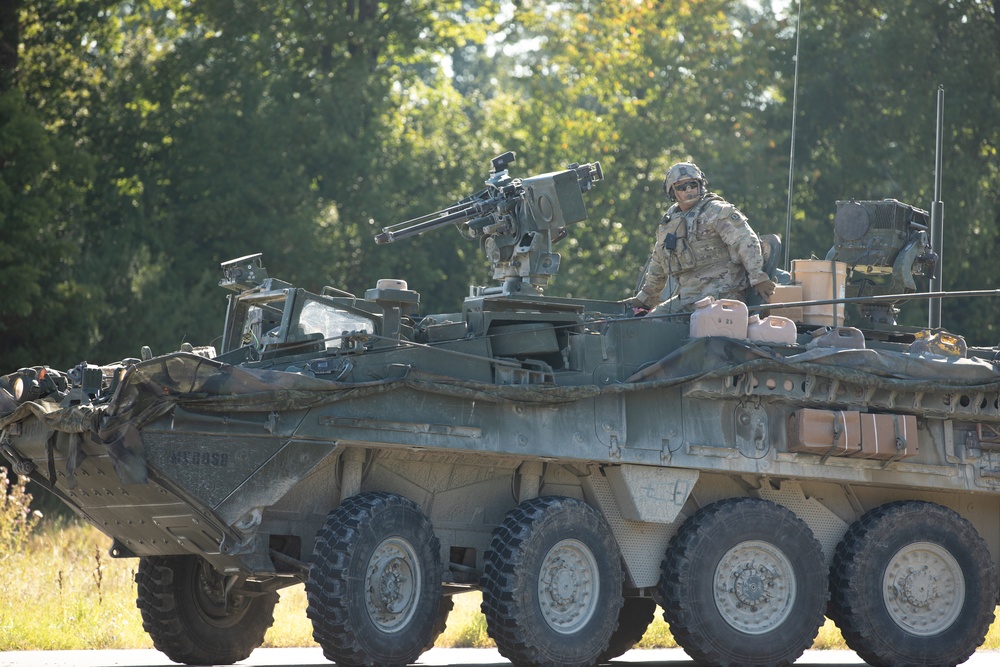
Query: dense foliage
143, 142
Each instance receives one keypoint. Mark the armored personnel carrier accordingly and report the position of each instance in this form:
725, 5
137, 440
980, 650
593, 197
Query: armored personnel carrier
575, 463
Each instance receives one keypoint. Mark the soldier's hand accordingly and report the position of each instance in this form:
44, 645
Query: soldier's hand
638, 307
764, 289
633, 302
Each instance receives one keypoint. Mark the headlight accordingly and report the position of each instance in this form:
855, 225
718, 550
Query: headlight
29, 384
26, 386
18, 387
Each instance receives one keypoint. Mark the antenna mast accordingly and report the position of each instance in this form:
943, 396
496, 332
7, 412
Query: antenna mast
937, 218
791, 156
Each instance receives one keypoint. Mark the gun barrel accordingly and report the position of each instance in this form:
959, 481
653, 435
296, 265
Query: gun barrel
389, 235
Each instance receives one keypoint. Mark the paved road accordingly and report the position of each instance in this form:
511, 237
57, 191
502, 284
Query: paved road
459, 657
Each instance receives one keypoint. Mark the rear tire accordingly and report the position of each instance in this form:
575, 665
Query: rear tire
744, 583
190, 620
444, 609
633, 620
913, 583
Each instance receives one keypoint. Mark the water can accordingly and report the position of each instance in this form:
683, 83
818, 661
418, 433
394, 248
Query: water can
772, 329
847, 338
722, 317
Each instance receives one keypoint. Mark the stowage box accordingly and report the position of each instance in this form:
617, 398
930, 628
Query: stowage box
887, 437
833, 432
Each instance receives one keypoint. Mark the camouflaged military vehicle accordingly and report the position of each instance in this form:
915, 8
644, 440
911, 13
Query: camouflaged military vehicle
575, 463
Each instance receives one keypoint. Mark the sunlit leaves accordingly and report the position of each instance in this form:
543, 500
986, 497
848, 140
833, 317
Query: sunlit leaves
156, 138
637, 85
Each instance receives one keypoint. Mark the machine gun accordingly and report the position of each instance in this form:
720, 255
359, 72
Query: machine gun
516, 221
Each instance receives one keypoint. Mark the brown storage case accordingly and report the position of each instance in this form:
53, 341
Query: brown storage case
878, 436
787, 294
833, 432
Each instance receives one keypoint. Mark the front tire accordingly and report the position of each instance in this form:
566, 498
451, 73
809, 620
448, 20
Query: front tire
913, 583
744, 583
552, 584
374, 585
191, 620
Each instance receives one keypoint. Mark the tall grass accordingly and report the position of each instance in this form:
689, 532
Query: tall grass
62, 591
60, 588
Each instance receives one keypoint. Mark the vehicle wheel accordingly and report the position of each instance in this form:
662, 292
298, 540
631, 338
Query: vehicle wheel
374, 585
444, 609
552, 584
634, 618
913, 583
191, 619
744, 583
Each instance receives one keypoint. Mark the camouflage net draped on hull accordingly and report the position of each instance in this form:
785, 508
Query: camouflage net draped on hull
152, 388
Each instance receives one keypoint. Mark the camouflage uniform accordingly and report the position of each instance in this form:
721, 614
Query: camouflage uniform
716, 253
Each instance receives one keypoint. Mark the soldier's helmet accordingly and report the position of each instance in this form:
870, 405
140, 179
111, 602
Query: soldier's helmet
682, 171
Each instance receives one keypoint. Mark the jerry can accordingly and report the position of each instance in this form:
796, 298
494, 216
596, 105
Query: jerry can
722, 317
772, 329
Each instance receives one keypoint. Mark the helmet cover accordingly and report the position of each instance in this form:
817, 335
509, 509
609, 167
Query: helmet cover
682, 171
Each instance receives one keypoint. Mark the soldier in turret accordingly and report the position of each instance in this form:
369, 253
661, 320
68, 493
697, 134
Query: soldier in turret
703, 243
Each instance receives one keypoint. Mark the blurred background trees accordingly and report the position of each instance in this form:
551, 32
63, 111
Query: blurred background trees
144, 142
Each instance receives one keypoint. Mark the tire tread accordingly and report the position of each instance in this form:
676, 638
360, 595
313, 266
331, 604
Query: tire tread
678, 601
168, 625
846, 608
328, 608
500, 580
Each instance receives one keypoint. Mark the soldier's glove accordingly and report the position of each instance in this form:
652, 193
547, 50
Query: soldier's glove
638, 307
764, 289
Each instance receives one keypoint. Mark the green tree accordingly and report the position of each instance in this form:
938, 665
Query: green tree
870, 71
143, 143
49, 311
640, 86
231, 128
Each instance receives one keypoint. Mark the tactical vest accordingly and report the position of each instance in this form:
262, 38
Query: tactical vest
697, 244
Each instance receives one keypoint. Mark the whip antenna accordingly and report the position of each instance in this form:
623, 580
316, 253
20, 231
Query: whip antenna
937, 217
787, 245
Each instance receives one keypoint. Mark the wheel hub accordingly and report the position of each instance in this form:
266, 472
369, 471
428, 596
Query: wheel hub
393, 575
923, 588
919, 588
215, 605
568, 586
392, 582
751, 585
754, 587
